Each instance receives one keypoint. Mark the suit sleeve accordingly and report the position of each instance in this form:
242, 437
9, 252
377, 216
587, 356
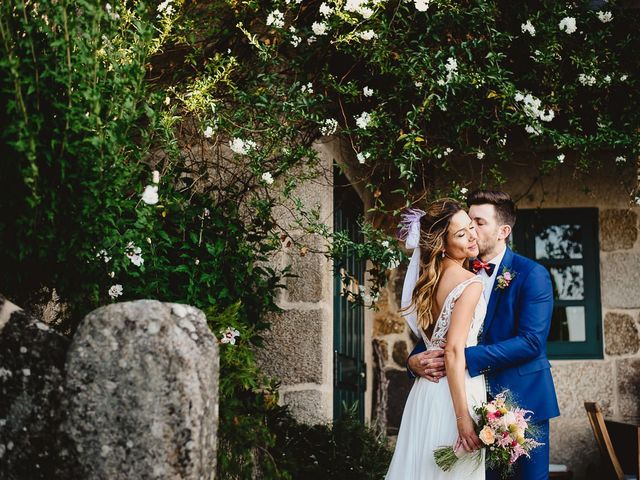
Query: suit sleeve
534, 321
419, 348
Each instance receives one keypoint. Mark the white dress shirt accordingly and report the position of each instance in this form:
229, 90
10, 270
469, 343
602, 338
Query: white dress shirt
490, 280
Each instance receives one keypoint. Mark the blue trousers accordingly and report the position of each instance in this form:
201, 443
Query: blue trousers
536, 467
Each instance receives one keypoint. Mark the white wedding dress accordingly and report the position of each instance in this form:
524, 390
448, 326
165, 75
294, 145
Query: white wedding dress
429, 421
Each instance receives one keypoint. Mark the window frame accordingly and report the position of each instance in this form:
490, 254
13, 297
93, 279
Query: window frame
524, 242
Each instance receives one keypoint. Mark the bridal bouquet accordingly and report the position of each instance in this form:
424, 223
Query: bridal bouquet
504, 430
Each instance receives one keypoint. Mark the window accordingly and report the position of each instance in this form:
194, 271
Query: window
565, 241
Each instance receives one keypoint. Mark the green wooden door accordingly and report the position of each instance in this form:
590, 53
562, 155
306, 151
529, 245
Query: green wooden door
349, 369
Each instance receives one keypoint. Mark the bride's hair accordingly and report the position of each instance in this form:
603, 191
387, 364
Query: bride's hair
434, 226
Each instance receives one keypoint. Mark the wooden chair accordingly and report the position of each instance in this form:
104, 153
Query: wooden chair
596, 419
560, 471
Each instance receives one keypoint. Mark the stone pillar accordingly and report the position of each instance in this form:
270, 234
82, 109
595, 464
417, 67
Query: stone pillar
141, 393
298, 348
32, 359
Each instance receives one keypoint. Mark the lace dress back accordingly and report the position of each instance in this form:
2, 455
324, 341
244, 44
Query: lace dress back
429, 420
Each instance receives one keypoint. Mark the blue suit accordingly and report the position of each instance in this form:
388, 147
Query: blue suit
511, 351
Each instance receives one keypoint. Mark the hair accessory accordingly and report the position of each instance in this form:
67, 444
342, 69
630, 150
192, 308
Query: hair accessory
410, 233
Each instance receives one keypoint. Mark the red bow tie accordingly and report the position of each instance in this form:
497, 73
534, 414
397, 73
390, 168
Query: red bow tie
478, 265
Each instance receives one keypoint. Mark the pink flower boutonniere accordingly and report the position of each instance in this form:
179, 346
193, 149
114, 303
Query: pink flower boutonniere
505, 278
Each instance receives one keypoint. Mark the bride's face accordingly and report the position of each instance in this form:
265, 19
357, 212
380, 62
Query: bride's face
462, 240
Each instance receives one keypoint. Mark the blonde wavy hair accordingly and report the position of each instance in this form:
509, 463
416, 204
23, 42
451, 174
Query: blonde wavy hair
434, 226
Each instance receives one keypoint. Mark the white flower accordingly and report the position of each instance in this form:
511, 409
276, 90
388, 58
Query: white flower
105, 256
319, 28
533, 130
115, 290
241, 146
359, 6
605, 17
308, 88
267, 178
518, 97
607, 79
134, 254
479, 154
561, 158
295, 40
447, 151
329, 126
150, 195
167, 100
441, 82
276, 18
112, 274
587, 80
547, 115
311, 39
367, 92
362, 157
451, 65
156, 176
325, 9
393, 264
368, 35
363, 120
385, 243
503, 141
620, 159
229, 335
464, 190
197, 261
165, 7
568, 25
208, 132
421, 5
418, 84
528, 27
623, 78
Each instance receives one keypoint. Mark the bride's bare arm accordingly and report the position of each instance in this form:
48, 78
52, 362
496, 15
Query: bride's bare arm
455, 363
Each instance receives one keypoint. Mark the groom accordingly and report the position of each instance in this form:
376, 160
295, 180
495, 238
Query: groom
511, 350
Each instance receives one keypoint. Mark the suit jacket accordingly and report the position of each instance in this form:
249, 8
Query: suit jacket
511, 350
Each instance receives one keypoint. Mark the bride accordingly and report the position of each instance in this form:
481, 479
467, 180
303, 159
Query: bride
443, 304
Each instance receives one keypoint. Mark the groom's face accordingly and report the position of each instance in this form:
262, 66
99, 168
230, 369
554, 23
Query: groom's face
489, 233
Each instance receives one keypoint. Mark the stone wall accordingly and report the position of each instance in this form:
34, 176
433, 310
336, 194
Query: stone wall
298, 349
614, 381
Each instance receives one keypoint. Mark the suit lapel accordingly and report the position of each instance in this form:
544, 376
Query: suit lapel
496, 294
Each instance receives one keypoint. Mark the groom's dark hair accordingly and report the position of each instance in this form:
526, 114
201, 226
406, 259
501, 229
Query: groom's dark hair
505, 208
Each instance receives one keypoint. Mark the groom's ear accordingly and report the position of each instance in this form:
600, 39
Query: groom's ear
503, 232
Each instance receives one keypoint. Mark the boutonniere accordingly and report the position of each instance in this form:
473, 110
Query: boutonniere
505, 278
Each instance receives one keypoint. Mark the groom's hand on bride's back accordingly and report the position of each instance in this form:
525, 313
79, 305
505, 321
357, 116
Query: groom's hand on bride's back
428, 365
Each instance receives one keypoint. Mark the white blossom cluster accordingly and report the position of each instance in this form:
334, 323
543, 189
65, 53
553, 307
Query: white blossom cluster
115, 290
421, 5
134, 254
276, 18
363, 120
166, 8
308, 88
531, 106
568, 25
452, 70
359, 6
329, 126
267, 178
587, 80
605, 17
240, 146
363, 157
368, 35
319, 28
528, 27
367, 92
